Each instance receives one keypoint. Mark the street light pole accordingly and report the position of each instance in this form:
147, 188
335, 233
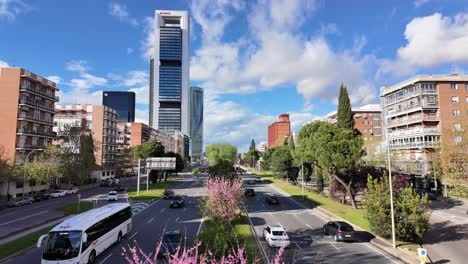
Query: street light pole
302, 172
24, 172
391, 193
138, 179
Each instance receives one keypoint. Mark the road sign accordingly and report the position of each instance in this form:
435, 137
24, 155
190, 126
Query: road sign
166, 163
422, 253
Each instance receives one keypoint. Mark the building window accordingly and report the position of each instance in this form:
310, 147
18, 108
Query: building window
363, 122
457, 127
453, 86
455, 99
455, 112
466, 99
466, 86
457, 139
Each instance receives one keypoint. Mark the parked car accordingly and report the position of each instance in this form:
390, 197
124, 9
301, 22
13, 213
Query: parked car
58, 193
272, 199
178, 202
72, 190
171, 240
258, 179
168, 194
119, 188
276, 236
249, 192
341, 231
20, 202
112, 196
41, 196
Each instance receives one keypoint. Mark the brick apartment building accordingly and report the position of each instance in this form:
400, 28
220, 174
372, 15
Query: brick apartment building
419, 114
101, 122
27, 112
278, 131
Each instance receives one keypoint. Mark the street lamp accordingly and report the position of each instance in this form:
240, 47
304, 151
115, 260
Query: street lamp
24, 172
391, 192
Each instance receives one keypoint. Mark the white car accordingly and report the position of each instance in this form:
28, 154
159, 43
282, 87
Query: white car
258, 179
112, 196
58, 193
276, 236
72, 190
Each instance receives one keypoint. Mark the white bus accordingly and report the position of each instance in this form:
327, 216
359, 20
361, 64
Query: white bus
81, 238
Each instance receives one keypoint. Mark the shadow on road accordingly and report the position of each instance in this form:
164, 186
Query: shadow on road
444, 231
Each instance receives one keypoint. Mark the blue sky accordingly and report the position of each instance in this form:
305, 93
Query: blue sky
256, 59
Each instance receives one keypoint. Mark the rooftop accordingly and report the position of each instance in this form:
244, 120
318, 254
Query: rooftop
428, 78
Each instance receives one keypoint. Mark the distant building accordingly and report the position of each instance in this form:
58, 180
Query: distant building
101, 122
262, 146
278, 131
169, 65
122, 102
419, 114
196, 122
27, 112
182, 145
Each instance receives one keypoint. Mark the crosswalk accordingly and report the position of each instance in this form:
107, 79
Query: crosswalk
138, 207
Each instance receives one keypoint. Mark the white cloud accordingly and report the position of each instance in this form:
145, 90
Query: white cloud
147, 44
55, 78
141, 94
141, 115
3, 64
77, 66
87, 81
9, 9
431, 41
120, 11
418, 3
80, 96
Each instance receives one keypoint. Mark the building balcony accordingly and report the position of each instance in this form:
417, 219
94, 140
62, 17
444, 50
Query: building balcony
415, 167
407, 121
27, 146
414, 145
33, 104
414, 132
32, 132
31, 118
39, 92
410, 109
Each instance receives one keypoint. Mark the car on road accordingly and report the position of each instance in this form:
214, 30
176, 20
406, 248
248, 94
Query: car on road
119, 188
168, 194
178, 202
112, 196
170, 241
249, 192
58, 193
341, 231
258, 179
41, 196
272, 199
20, 202
276, 236
72, 190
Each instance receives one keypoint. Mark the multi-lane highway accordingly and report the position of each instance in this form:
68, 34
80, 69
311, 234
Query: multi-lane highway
149, 223
304, 227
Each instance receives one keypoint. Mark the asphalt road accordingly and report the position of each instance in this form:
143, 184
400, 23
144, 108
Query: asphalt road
304, 227
148, 225
23, 217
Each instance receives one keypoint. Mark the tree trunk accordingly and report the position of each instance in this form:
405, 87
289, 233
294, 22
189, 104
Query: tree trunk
348, 190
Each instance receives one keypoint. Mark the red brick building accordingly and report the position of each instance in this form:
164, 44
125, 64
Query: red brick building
278, 131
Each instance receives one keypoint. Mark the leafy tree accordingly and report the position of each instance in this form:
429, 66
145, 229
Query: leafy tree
252, 155
180, 164
266, 158
333, 149
291, 144
281, 163
152, 148
87, 160
319, 179
345, 114
222, 169
221, 152
44, 166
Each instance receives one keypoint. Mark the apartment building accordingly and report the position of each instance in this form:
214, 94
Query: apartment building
419, 114
27, 112
278, 131
101, 122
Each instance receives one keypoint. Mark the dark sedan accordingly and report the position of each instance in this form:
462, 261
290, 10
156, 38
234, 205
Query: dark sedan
119, 188
41, 196
171, 240
341, 231
272, 199
249, 192
178, 202
168, 194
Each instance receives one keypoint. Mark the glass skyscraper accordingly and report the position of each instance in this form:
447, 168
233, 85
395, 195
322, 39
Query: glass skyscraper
169, 76
196, 122
122, 102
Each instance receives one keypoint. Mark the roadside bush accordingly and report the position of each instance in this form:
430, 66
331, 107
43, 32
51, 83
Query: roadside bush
224, 199
196, 171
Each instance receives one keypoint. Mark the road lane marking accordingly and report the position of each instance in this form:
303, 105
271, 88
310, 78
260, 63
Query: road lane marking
381, 253
162, 210
177, 219
105, 258
335, 246
9, 222
151, 220
309, 227
133, 235
185, 209
201, 223
149, 257
297, 244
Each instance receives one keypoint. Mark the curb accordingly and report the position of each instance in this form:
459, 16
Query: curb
16, 254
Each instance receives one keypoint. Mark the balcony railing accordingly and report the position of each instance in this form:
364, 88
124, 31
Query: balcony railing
37, 105
412, 145
40, 92
405, 121
414, 132
37, 132
23, 116
411, 108
30, 146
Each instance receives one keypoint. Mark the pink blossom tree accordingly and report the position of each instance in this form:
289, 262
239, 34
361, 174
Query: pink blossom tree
224, 199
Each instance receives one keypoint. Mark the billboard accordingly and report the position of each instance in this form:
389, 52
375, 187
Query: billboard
166, 163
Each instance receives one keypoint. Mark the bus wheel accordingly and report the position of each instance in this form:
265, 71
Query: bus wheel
119, 237
92, 257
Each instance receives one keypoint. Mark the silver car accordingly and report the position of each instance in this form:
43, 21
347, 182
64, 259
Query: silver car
20, 202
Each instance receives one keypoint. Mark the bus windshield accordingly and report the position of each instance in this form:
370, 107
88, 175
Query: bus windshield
62, 245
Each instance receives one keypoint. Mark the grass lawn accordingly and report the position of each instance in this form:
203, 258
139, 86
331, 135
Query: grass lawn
73, 208
22, 243
154, 192
355, 216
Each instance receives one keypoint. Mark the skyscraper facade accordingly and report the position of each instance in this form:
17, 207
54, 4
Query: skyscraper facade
196, 122
122, 102
169, 92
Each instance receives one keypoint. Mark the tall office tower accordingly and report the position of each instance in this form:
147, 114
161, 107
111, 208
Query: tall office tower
169, 96
196, 122
122, 102
151, 92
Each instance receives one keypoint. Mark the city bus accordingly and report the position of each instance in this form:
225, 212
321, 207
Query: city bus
81, 238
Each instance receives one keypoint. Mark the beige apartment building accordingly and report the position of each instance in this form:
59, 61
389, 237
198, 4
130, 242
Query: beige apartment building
419, 115
101, 122
27, 112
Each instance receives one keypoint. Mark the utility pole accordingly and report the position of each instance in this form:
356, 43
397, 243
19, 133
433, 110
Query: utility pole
391, 192
302, 172
138, 178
